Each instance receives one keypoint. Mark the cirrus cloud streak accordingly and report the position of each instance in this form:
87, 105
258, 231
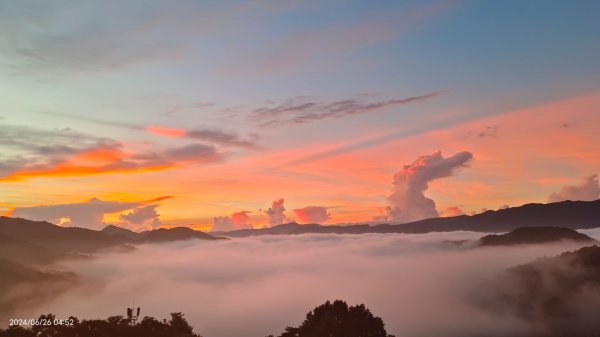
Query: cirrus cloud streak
301, 110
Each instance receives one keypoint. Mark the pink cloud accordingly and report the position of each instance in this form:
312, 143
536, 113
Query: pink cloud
240, 219
237, 220
452, 211
276, 213
407, 201
312, 214
165, 131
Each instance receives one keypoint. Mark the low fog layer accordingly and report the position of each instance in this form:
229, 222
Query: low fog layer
420, 285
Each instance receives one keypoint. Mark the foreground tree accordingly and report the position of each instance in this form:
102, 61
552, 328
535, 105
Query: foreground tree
115, 326
338, 320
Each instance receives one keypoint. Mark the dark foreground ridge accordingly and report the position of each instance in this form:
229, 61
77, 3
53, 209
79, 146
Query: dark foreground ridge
335, 319
115, 326
535, 235
567, 214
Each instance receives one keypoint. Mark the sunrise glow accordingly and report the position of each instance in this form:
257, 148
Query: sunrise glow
226, 137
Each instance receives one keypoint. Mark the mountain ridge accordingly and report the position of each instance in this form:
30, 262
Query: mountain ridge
567, 214
28, 241
535, 235
157, 235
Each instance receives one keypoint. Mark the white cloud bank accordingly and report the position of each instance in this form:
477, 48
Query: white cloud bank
257, 286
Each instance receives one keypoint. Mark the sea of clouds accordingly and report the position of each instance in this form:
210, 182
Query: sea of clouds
419, 284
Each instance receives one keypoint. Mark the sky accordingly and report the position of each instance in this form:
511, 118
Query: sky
236, 114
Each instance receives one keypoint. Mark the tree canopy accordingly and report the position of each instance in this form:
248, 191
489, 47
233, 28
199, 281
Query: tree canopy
338, 320
115, 326
335, 319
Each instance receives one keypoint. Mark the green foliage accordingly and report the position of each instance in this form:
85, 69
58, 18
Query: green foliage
114, 326
338, 320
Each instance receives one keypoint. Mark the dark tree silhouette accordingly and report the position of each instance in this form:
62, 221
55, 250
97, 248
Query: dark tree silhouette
179, 326
338, 320
16, 331
114, 326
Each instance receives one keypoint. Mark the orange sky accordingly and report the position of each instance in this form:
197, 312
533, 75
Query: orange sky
232, 106
519, 156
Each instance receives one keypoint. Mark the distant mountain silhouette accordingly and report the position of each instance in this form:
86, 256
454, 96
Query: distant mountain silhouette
567, 214
559, 296
157, 235
58, 240
120, 232
26, 240
288, 228
174, 234
40, 242
529, 235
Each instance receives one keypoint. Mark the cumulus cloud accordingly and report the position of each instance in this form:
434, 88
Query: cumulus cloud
240, 218
276, 213
144, 217
222, 224
237, 220
588, 190
300, 110
91, 213
84, 214
270, 282
312, 214
452, 211
407, 201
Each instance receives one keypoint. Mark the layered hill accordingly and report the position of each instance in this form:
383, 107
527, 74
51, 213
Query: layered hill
535, 235
40, 242
28, 250
22, 285
157, 235
559, 296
